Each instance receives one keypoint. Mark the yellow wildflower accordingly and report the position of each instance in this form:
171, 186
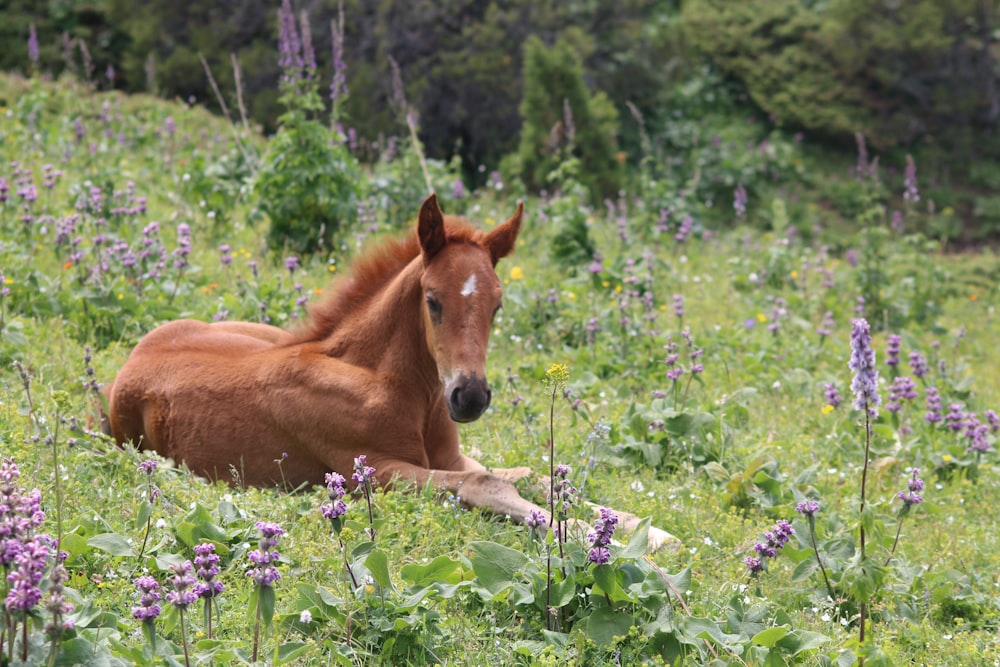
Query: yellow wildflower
516, 273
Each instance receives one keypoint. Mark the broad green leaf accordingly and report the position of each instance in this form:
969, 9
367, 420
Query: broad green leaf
606, 580
440, 570
290, 651
495, 565
798, 641
604, 624
770, 636
111, 543
377, 563
638, 542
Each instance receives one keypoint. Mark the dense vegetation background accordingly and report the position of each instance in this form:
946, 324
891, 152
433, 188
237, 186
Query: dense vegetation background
715, 194
917, 77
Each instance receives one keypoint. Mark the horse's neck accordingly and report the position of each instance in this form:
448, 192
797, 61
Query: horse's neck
387, 331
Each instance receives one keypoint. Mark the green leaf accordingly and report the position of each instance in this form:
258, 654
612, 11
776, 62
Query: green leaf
563, 592
495, 565
111, 543
638, 542
799, 641
377, 563
75, 545
142, 516
604, 624
606, 580
440, 570
266, 600
770, 636
290, 651
804, 570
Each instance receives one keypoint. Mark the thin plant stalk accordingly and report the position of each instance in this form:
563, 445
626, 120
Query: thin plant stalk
863, 604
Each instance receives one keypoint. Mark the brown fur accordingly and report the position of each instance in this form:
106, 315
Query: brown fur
376, 371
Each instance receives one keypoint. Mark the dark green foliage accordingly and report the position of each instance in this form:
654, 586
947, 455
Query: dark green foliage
781, 52
896, 72
562, 119
308, 185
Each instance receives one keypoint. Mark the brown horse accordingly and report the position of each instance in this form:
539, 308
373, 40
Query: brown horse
386, 367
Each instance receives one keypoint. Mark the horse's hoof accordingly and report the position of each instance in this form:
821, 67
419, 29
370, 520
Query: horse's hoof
660, 539
513, 474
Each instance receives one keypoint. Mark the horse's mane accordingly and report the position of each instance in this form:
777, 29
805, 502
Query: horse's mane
369, 273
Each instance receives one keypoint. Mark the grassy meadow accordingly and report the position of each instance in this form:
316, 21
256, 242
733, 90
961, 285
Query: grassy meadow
707, 387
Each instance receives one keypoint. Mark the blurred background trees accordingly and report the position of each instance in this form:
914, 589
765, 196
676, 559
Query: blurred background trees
509, 80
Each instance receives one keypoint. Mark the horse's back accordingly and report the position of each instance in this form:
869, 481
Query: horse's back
169, 360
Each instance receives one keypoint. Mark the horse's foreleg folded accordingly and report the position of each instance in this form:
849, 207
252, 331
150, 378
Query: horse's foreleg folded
658, 538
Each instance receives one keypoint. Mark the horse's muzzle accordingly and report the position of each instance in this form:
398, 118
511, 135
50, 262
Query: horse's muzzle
468, 397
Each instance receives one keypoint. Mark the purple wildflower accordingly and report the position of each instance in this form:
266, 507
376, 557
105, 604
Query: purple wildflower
147, 610
825, 327
336, 508
892, 350
600, 537
993, 419
740, 201
955, 419
807, 508
678, 306
265, 573
977, 433
32, 44
206, 563
831, 394
910, 192
933, 414
902, 389
774, 539
338, 85
684, 229
363, 473
865, 383
918, 364
914, 486
535, 519
183, 594
148, 466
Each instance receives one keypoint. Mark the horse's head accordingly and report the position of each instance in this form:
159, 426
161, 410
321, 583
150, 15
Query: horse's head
462, 296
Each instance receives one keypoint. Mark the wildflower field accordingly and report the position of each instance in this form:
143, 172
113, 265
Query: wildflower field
808, 405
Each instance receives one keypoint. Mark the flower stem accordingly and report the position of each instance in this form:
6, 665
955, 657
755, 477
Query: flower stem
819, 561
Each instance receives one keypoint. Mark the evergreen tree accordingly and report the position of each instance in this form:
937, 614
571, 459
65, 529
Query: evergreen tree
562, 119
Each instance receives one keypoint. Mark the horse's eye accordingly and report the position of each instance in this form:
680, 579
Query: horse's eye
434, 306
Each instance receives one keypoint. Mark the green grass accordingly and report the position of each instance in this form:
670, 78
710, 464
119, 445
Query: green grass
769, 440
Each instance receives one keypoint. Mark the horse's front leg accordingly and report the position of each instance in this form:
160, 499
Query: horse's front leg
476, 486
658, 538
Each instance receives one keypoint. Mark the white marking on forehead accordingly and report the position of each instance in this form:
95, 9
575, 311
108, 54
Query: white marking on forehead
469, 286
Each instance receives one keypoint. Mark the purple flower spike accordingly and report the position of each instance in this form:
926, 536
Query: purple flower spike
600, 537
535, 519
912, 495
363, 473
807, 508
865, 383
147, 610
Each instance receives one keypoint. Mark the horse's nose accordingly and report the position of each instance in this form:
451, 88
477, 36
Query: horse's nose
468, 397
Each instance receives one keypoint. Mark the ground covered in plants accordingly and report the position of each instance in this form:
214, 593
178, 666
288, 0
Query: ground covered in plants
697, 374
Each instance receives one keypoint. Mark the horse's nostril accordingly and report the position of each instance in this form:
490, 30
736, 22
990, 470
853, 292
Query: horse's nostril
489, 396
454, 395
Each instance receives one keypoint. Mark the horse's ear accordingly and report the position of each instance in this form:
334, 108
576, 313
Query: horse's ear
500, 242
430, 227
